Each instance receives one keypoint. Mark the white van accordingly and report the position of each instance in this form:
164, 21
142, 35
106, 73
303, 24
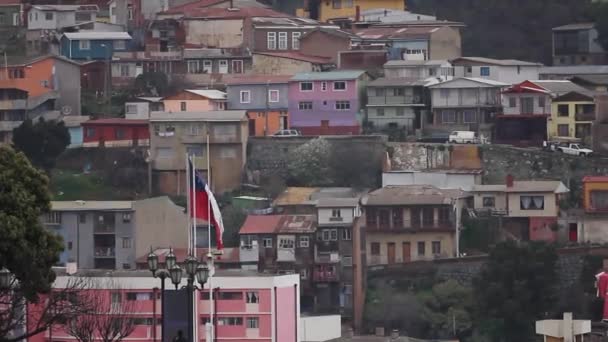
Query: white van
463, 137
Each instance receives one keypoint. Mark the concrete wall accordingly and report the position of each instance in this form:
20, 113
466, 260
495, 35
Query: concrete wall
445, 43
271, 65
537, 109
258, 96
438, 179
500, 200
446, 239
320, 328
214, 33
67, 81
506, 74
325, 214
324, 45
550, 205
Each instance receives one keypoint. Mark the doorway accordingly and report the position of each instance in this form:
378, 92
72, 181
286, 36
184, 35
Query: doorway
573, 232
391, 252
407, 253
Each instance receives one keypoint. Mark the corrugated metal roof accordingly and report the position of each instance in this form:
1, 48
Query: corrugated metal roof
402, 63
116, 121
208, 93
484, 81
524, 186
297, 224
295, 196
91, 205
97, 35
561, 87
492, 61
593, 79
574, 70
595, 179
220, 116
260, 79
388, 82
337, 202
576, 26
328, 75
260, 224
298, 57
412, 195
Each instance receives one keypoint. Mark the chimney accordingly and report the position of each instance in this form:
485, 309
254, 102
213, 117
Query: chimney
357, 13
510, 180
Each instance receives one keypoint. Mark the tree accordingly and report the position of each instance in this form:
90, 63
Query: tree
356, 165
308, 165
515, 287
41, 142
599, 13
27, 249
110, 317
233, 221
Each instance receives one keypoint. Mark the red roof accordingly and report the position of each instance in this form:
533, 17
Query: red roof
298, 56
261, 224
595, 179
259, 79
116, 121
525, 87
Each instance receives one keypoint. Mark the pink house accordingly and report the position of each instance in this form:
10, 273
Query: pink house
195, 100
247, 306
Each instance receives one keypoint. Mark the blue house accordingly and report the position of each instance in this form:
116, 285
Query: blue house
93, 45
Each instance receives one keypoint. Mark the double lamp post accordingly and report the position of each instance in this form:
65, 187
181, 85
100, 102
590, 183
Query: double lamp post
193, 270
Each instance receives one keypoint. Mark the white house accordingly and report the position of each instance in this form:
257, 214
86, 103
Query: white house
443, 179
54, 17
508, 71
419, 70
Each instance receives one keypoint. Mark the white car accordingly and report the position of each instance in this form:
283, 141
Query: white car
463, 137
287, 133
575, 150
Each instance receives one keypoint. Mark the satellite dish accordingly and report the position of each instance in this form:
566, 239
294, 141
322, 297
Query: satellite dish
66, 110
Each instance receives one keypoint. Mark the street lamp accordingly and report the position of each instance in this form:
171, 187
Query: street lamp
162, 274
5, 278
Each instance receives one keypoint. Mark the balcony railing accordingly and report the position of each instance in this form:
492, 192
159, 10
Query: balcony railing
585, 116
326, 276
105, 252
440, 226
327, 258
104, 229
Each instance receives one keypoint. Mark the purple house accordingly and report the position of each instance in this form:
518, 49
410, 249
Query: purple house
327, 103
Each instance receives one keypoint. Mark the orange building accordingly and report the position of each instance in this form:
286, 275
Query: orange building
195, 100
595, 194
265, 100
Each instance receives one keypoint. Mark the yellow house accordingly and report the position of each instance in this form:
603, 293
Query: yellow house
572, 115
333, 9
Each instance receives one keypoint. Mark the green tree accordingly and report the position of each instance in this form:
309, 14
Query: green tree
599, 13
233, 218
42, 142
515, 287
308, 165
356, 165
27, 249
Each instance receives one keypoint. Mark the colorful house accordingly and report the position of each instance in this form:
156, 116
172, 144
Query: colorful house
195, 100
116, 133
572, 116
328, 103
244, 305
590, 225
264, 98
93, 45
340, 9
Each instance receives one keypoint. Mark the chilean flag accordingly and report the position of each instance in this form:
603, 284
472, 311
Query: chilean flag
202, 196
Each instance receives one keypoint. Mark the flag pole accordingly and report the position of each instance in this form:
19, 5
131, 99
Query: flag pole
194, 223
209, 254
188, 198
209, 202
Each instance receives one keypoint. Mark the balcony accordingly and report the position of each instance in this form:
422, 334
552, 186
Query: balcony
105, 252
13, 104
327, 258
101, 228
326, 275
590, 116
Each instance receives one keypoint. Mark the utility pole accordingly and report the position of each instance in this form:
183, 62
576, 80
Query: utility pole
267, 108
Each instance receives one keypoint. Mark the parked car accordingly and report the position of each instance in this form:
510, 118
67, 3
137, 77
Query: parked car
287, 133
463, 137
575, 150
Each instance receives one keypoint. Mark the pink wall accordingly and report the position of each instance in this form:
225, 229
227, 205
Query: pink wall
193, 105
540, 229
286, 314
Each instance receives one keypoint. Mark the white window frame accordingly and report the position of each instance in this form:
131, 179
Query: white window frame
273, 91
312, 87
300, 105
222, 69
304, 274
336, 213
295, 40
334, 86
282, 41
323, 86
242, 93
84, 44
119, 45
304, 242
236, 62
340, 104
208, 66
346, 234
271, 40
267, 242
333, 235
252, 322
193, 66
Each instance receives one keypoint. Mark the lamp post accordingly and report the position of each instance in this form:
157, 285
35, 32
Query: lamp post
194, 271
5, 279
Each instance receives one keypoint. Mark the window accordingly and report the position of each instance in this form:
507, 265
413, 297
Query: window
207, 66
194, 150
164, 152
54, 217
85, 44
306, 86
484, 71
303, 274
183, 106
346, 234
323, 86
139, 296
333, 235
230, 295
421, 247
488, 202
512, 102
273, 95
445, 93
295, 40
223, 66
126, 217
245, 96
69, 245
336, 4
541, 101
286, 243
193, 67
193, 129
563, 130
428, 216
339, 86
436, 247
342, 105
400, 112
126, 266
253, 323
119, 45
126, 242
379, 91
124, 70
119, 133
375, 248
304, 242
116, 297
252, 297
562, 110
468, 116
48, 16
82, 218
271, 40
305, 105
336, 213
237, 66
267, 243
527, 105
282, 40
444, 215
599, 200
448, 116
347, 261
532, 202
230, 320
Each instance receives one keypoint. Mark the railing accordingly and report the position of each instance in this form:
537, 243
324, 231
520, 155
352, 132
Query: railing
584, 116
326, 276
327, 258
407, 225
105, 252
104, 228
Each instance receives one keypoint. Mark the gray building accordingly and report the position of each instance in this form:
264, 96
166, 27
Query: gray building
249, 93
113, 234
396, 103
577, 44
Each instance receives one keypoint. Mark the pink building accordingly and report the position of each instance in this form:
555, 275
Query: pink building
195, 100
247, 306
